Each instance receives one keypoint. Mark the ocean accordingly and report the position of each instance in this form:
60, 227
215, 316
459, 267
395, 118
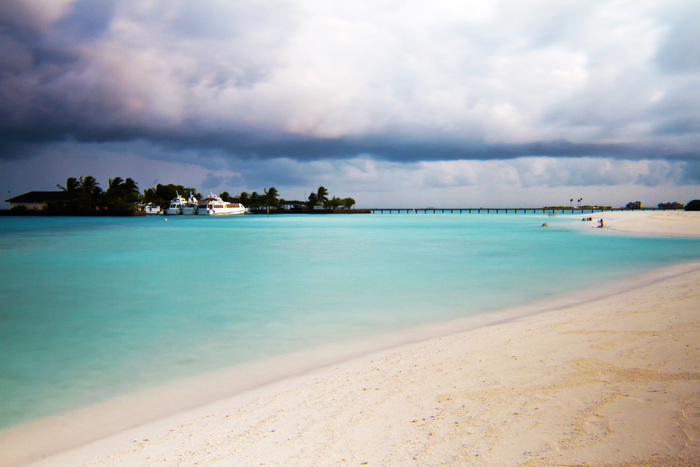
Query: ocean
95, 308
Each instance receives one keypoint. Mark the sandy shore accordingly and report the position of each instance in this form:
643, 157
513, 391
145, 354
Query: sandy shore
608, 377
670, 223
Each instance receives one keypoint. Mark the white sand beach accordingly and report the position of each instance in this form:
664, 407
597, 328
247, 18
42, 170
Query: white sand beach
674, 223
606, 377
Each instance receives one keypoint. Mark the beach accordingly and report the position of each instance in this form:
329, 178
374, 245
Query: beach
609, 376
673, 223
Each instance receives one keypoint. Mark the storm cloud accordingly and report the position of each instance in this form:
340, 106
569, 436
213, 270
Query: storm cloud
240, 83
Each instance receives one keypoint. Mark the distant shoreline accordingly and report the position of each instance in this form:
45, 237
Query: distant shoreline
431, 210
32, 213
313, 211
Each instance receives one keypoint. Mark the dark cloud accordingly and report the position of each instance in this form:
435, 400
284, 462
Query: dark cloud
691, 172
86, 20
679, 126
19, 21
269, 80
261, 146
407, 150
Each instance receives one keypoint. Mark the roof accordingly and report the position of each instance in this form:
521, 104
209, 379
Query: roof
45, 196
285, 202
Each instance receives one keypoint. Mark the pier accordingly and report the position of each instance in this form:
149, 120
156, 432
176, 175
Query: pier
546, 210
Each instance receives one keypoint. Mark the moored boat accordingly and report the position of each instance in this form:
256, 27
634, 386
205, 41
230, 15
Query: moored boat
190, 207
176, 205
151, 209
213, 205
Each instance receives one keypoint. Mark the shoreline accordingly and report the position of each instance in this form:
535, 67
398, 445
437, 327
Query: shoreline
561, 355
102, 430
652, 223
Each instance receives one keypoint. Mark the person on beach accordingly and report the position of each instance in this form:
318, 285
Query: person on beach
601, 224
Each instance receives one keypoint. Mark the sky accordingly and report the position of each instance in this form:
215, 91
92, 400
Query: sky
501, 103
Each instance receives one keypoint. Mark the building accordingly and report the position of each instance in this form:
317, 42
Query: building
40, 200
292, 205
673, 205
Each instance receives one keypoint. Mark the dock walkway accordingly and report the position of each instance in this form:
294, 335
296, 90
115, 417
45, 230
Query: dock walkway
551, 210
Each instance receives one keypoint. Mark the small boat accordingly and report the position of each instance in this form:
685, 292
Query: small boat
152, 209
213, 205
190, 207
176, 206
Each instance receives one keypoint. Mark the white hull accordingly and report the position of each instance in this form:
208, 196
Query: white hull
215, 206
152, 210
223, 211
180, 205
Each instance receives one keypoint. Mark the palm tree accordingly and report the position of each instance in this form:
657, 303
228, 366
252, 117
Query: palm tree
271, 196
150, 196
72, 184
334, 202
255, 200
244, 198
91, 190
115, 187
313, 199
130, 190
90, 185
322, 196
121, 194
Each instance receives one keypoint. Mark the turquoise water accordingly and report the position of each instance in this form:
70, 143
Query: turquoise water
95, 308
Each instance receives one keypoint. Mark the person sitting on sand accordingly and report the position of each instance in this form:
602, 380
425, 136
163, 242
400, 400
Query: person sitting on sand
601, 224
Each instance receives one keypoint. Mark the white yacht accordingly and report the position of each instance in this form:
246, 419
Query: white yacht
190, 207
176, 205
213, 205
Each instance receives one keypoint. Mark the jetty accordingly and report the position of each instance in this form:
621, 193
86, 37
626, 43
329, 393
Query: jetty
545, 210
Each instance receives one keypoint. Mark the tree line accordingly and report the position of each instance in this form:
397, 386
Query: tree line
271, 198
120, 196
123, 195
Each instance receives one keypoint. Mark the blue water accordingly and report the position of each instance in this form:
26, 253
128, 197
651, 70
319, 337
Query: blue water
95, 308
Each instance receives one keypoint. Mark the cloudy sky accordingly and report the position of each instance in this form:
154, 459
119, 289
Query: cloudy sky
393, 102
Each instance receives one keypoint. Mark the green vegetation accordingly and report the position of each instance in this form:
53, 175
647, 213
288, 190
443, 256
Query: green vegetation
89, 197
270, 199
694, 205
123, 196
673, 205
161, 195
320, 198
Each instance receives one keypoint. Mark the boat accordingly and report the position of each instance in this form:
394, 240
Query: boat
152, 209
190, 207
176, 205
213, 205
